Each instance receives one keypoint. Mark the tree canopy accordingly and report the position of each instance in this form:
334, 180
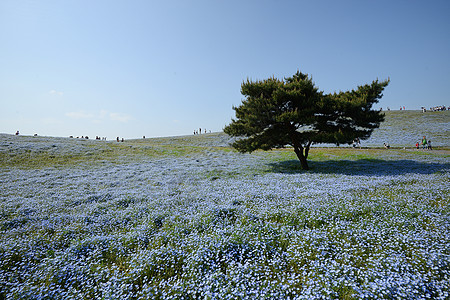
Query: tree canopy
293, 112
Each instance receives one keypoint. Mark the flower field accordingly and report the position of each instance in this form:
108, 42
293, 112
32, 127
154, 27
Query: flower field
189, 218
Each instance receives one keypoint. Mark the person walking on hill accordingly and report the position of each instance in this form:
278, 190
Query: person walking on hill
357, 143
424, 142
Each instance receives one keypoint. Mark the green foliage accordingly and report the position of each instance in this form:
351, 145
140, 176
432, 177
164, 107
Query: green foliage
294, 112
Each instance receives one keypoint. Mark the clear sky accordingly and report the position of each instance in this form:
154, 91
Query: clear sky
162, 68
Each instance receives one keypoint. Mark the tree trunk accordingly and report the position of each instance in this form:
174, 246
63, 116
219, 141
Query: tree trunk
298, 149
307, 149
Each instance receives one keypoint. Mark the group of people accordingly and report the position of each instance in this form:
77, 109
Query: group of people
439, 108
98, 138
436, 108
199, 131
426, 144
86, 137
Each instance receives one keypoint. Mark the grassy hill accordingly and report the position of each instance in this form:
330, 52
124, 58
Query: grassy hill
189, 218
405, 128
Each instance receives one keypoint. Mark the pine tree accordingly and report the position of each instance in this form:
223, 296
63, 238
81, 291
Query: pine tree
277, 113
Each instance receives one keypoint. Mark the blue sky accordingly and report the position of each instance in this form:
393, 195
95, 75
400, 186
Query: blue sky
163, 68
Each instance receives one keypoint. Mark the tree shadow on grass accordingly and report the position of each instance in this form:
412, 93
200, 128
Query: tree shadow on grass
366, 167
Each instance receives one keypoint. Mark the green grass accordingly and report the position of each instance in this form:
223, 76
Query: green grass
98, 152
93, 152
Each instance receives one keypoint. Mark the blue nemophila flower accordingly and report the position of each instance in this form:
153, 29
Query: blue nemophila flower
221, 225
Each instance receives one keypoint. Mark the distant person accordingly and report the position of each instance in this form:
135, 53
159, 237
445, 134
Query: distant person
118, 139
429, 145
424, 142
417, 145
386, 145
17, 132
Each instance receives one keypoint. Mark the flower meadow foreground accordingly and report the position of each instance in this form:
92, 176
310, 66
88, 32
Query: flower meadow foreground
188, 218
